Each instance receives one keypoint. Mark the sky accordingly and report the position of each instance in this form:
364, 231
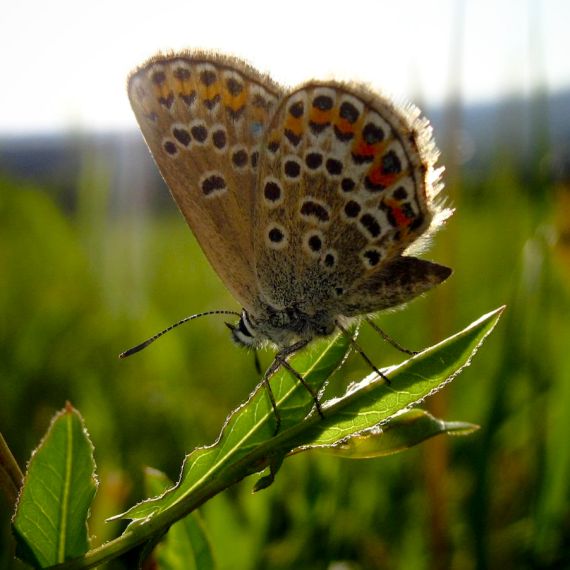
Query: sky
64, 63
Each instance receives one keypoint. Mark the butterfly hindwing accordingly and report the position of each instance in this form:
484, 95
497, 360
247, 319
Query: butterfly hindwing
204, 117
344, 187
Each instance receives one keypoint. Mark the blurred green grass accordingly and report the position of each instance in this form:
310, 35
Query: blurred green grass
78, 288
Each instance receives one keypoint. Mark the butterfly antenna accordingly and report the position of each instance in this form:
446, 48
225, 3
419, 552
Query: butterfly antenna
144, 344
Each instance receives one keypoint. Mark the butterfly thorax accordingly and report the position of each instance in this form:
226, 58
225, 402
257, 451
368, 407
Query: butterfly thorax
281, 327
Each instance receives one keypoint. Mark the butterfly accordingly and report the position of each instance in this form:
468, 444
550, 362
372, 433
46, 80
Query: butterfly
305, 201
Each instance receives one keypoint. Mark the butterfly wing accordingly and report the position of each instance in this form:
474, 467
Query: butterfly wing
203, 117
346, 185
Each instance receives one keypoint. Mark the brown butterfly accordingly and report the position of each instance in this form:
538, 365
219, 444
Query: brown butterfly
305, 201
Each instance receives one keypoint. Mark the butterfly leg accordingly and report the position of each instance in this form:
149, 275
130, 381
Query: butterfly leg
389, 339
281, 360
256, 362
268, 373
358, 349
281, 357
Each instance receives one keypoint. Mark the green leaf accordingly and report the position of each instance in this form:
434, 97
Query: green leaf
50, 523
371, 403
400, 433
186, 545
251, 425
247, 443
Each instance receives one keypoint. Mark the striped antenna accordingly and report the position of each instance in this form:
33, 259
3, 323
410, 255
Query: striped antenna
144, 344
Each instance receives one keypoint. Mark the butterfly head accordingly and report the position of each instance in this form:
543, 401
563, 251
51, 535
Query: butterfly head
281, 328
244, 332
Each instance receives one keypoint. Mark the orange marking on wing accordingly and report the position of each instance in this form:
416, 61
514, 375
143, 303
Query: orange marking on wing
274, 138
294, 125
235, 102
320, 117
377, 176
344, 126
162, 91
183, 86
362, 148
208, 92
401, 219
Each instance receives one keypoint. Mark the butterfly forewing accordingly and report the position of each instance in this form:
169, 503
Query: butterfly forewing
343, 190
204, 117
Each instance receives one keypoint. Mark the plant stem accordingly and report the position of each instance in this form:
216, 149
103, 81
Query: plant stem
11, 475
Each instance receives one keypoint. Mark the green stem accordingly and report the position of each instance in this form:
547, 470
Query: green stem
11, 475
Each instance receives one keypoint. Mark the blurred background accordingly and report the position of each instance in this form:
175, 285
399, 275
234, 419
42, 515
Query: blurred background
94, 258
